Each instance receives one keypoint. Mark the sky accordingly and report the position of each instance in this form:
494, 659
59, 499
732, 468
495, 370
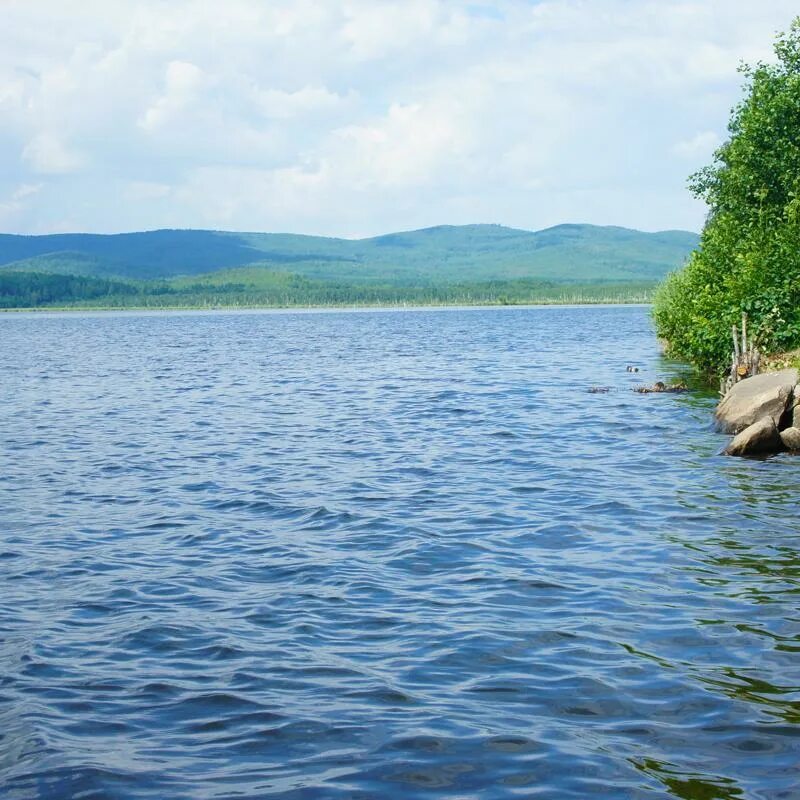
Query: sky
360, 117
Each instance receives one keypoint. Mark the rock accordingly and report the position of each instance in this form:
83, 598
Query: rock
660, 387
760, 397
759, 439
791, 439
796, 413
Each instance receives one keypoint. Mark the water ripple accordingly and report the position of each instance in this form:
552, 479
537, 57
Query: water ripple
359, 555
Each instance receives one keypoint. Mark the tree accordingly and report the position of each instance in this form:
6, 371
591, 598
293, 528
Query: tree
749, 254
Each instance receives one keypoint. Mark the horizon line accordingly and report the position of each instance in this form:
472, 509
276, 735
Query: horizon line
354, 238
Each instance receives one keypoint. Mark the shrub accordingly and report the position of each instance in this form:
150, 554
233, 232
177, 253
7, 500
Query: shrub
749, 254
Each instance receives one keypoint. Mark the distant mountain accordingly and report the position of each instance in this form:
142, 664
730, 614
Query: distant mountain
441, 255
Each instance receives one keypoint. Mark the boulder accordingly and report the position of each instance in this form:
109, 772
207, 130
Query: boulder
761, 397
759, 439
791, 439
796, 412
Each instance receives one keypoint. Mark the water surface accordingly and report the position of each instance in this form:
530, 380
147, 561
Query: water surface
386, 554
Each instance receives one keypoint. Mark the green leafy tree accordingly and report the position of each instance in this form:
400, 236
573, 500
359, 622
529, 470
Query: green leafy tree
748, 259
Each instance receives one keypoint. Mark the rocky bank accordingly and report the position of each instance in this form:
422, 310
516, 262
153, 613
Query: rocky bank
763, 413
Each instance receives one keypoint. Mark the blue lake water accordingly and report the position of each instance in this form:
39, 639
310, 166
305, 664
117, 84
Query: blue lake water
384, 554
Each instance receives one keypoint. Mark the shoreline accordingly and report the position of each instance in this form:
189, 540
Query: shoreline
323, 308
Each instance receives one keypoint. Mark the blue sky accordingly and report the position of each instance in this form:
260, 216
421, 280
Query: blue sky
359, 117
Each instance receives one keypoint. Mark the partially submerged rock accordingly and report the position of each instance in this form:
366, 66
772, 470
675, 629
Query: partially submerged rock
791, 439
659, 386
762, 397
759, 439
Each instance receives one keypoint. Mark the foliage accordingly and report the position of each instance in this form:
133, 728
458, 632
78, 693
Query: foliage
29, 290
263, 288
749, 254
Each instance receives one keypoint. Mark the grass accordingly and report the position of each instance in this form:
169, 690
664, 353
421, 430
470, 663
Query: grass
219, 303
778, 361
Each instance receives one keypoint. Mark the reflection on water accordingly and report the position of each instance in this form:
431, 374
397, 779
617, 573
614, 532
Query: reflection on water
690, 787
384, 554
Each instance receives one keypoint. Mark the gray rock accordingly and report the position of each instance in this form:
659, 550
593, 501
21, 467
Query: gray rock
760, 397
796, 412
761, 438
791, 439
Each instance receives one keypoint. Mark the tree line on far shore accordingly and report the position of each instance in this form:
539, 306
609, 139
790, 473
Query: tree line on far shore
20, 290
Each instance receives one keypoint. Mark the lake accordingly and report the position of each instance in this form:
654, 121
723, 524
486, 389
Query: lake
384, 554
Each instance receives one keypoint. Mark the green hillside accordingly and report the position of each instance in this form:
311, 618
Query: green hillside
432, 256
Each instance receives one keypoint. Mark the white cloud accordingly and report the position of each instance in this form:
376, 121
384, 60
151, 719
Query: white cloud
280, 104
408, 146
701, 145
26, 190
48, 155
183, 83
17, 201
380, 30
367, 115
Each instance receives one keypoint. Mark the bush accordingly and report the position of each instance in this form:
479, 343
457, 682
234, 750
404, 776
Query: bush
749, 254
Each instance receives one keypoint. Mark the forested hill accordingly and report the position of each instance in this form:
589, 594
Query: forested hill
432, 256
